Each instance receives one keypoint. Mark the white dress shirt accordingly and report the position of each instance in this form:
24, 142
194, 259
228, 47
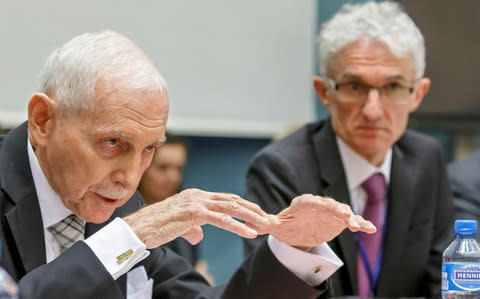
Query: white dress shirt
51, 206
357, 170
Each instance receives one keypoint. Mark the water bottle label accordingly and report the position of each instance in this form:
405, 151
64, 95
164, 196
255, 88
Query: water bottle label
461, 277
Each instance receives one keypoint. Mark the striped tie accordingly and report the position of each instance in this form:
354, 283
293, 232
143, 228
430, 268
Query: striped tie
68, 231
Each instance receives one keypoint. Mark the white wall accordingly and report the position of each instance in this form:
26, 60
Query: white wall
233, 68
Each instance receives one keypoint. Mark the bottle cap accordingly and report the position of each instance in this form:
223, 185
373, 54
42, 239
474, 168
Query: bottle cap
465, 227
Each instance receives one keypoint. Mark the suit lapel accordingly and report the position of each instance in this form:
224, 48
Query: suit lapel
333, 176
346, 240
26, 226
24, 219
400, 205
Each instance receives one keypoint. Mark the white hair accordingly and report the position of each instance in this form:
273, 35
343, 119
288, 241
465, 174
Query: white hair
71, 72
385, 22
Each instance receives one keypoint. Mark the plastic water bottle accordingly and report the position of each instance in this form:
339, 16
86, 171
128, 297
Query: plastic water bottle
8, 287
461, 263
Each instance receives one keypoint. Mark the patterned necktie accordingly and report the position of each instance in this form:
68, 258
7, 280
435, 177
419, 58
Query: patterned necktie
68, 231
374, 187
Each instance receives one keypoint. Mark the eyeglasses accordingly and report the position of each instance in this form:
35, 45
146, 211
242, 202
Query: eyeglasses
393, 92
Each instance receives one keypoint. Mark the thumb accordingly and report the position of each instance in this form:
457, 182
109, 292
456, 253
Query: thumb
194, 236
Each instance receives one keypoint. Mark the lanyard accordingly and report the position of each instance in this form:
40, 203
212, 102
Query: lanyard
372, 275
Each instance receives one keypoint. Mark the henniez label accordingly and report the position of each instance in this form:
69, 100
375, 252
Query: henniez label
461, 277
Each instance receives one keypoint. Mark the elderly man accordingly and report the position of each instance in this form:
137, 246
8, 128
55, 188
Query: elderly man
372, 58
71, 171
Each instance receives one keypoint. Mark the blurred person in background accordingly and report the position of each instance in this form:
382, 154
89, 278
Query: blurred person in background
465, 183
162, 179
372, 61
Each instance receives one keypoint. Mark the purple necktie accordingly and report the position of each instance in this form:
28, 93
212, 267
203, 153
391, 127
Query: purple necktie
374, 187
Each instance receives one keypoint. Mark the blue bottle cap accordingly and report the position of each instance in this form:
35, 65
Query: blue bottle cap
465, 227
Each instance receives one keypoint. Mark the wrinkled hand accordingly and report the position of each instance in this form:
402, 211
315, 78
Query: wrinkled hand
312, 220
184, 213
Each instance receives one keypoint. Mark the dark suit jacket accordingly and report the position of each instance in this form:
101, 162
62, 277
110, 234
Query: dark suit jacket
465, 182
419, 220
184, 249
77, 273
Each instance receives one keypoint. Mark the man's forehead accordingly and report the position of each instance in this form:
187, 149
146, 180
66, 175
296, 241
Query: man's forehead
370, 48
361, 65
109, 91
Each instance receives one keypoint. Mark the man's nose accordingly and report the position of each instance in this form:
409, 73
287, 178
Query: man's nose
128, 170
373, 108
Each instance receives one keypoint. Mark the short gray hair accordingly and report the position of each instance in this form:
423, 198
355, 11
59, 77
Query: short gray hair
71, 71
384, 22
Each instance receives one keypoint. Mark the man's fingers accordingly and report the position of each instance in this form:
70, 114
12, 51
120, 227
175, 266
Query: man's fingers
321, 204
258, 229
368, 227
237, 210
226, 222
252, 206
358, 223
353, 223
232, 198
338, 209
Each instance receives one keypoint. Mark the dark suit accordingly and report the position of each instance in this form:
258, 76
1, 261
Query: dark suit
77, 273
419, 217
184, 249
465, 182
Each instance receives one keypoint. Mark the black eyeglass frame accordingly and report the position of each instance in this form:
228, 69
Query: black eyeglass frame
336, 85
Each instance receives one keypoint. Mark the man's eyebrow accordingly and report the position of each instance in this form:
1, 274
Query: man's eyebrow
395, 77
124, 135
350, 76
112, 133
160, 141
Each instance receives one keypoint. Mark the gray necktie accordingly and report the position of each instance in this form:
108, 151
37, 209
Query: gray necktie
68, 231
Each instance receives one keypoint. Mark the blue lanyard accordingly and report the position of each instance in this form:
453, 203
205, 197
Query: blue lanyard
372, 275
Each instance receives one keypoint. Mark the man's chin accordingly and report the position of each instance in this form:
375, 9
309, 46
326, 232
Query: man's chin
97, 217
99, 209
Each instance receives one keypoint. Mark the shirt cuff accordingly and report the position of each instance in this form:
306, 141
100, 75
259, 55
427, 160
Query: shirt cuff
313, 267
117, 247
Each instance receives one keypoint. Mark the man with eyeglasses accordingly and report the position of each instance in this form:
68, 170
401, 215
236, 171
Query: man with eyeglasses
372, 58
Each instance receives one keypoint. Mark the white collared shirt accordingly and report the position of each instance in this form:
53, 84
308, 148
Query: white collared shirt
357, 170
51, 206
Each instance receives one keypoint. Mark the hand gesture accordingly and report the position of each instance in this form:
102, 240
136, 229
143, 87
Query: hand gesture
312, 220
184, 213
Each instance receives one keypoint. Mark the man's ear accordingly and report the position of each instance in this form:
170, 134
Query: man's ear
423, 85
320, 86
41, 111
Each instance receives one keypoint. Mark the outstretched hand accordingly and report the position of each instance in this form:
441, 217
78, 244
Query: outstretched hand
312, 220
309, 220
184, 213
